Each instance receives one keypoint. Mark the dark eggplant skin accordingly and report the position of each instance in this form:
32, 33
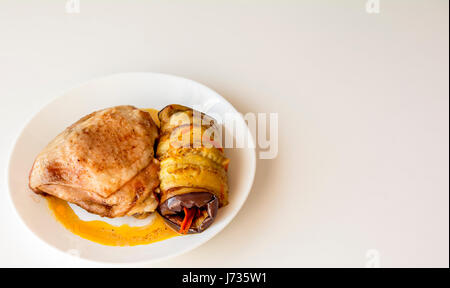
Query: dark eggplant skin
165, 114
174, 205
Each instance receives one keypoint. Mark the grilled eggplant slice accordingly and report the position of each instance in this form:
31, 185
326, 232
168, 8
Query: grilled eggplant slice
193, 175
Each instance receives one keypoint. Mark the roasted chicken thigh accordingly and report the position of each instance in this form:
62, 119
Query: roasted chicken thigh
103, 163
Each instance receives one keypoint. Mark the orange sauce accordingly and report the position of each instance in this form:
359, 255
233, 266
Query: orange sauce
105, 233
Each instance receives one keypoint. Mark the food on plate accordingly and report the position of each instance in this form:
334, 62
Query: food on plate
103, 163
154, 227
193, 170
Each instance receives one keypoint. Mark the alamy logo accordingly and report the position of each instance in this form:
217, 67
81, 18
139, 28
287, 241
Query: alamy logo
198, 130
73, 6
372, 258
373, 6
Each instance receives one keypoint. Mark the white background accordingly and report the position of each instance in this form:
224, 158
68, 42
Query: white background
363, 116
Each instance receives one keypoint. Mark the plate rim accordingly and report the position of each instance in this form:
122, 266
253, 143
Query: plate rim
201, 241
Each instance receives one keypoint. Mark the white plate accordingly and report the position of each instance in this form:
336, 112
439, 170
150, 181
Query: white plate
143, 90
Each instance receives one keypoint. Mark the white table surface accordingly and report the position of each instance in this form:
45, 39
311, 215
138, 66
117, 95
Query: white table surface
363, 111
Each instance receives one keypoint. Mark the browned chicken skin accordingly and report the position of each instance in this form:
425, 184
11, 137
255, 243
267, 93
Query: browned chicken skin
104, 163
